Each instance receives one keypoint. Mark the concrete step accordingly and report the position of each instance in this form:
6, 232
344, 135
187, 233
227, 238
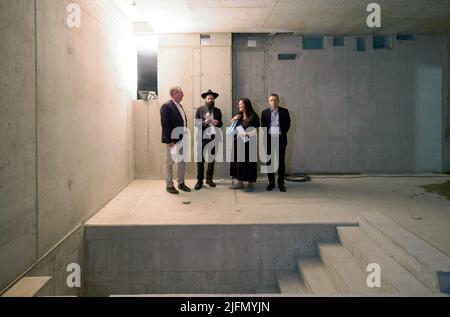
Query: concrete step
290, 283
28, 287
425, 262
395, 279
267, 289
244, 256
343, 271
314, 276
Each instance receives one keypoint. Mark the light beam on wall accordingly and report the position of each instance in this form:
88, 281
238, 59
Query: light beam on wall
129, 64
146, 44
167, 16
129, 8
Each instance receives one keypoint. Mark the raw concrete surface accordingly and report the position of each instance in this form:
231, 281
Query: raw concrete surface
379, 111
28, 287
67, 141
308, 17
324, 200
163, 259
446, 118
83, 101
17, 138
224, 241
55, 262
146, 202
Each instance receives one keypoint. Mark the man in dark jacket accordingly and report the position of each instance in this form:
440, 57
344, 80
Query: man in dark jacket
173, 117
277, 121
211, 117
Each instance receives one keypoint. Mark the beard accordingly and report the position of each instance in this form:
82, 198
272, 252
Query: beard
210, 104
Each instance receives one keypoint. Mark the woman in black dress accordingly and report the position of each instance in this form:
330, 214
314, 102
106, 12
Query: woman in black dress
245, 171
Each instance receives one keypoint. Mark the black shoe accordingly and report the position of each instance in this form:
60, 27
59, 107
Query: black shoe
172, 190
270, 187
282, 188
211, 183
199, 185
184, 188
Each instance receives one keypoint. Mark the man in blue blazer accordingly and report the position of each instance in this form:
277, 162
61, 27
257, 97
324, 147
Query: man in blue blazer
173, 117
277, 121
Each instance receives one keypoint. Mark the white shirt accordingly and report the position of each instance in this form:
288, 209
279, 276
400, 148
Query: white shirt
274, 121
181, 110
275, 118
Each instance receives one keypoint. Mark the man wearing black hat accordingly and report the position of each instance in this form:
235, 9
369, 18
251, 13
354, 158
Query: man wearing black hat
211, 117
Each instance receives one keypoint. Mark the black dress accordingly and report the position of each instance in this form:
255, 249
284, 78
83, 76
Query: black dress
245, 171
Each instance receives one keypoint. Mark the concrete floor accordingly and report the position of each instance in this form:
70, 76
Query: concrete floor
324, 200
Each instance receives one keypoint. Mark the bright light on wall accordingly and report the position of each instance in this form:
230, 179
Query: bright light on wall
146, 44
128, 7
129, 65
164, 16
166, 21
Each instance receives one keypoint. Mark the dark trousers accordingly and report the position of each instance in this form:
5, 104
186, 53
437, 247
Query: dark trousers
201, 167
281, 167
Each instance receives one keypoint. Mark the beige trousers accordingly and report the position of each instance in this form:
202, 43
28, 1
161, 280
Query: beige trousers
169, 168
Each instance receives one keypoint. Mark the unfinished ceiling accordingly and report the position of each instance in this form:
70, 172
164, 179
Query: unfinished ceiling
302, 16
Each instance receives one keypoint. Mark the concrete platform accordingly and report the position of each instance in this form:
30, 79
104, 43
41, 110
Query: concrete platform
147, 203
222, 241
325, 200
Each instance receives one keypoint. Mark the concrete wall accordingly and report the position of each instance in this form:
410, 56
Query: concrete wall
149, 152
183, 61
373, 111
18, 218
446, 119
222, 259
54, 264
67, 136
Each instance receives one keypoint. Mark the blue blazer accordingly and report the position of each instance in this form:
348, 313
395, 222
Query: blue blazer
170, 120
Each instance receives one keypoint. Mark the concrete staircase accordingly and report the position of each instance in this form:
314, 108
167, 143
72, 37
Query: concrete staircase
200, 259
409, 265
325, 259
290, 283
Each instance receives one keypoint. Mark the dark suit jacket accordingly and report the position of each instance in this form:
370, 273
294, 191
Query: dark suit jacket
203, 110
285, 122
170, 119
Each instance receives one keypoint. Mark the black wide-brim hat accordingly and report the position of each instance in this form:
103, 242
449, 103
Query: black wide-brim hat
210, 92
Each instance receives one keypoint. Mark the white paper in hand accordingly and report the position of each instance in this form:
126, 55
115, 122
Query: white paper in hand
240, 130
